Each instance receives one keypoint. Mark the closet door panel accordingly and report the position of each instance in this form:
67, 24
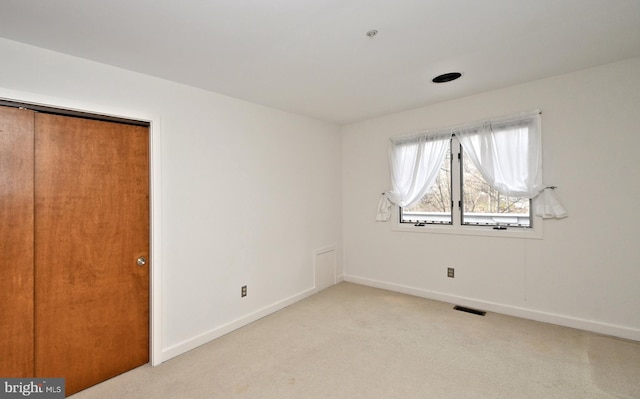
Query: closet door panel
16, 242
92, 225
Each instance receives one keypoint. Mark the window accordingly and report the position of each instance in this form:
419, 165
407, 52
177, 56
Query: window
482, 204
487, 175
479, 204
435, 206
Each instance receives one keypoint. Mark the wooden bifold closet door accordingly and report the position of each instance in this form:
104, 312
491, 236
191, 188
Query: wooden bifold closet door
75, 225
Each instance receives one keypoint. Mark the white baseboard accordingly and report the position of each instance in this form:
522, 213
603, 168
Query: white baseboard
562, 320
208, 336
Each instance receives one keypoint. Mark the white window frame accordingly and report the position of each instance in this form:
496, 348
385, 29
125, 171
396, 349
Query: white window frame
456, 228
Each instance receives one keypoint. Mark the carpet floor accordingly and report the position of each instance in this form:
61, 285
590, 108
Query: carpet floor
352, 341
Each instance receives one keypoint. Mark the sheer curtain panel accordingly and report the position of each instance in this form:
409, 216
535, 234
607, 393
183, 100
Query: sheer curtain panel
508, 154
414, 164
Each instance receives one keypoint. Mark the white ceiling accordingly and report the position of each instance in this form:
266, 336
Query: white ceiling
313, 57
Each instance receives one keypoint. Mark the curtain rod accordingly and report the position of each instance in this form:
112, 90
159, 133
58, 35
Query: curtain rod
449, 130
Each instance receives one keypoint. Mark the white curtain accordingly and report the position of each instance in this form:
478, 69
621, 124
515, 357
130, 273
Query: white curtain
548, 205
508, 154
414, 163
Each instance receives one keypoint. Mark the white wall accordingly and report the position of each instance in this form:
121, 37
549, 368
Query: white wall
281, 172
248, 192
584, 273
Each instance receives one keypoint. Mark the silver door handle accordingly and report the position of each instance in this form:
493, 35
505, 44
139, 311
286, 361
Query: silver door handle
141, 261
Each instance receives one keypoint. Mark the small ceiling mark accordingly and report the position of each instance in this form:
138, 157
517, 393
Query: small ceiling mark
372, 33
446, 77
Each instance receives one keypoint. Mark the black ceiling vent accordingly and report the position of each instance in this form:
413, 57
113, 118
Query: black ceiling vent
446, 77
469, 310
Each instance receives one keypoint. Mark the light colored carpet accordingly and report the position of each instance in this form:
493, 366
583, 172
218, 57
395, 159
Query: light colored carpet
351, 341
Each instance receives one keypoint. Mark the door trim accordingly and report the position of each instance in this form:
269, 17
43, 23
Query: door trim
155, 191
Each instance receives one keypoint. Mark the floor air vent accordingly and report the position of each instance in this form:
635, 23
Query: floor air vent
469, 310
